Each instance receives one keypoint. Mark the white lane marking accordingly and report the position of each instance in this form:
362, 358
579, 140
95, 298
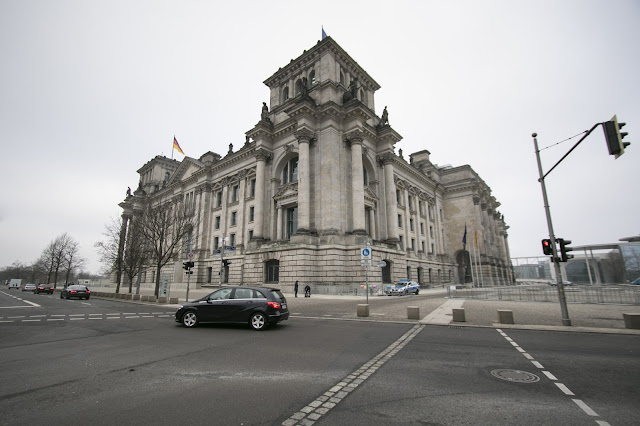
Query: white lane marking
537, 364
76, 315
116, 313
55, 319
95, 314
519, 349
31, 303
19, 316
113, 317
564, 389
550, 376
527, 356
76, 319
58, 315
95, 318
37, 316
602, 423
509, 339
26, 320
6, 321
585, 408
133, 317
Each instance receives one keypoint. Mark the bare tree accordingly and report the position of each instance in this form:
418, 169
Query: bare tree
72, 260
166, 228
135, 250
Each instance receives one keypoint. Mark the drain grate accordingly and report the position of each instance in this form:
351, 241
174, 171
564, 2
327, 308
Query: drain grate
516, 376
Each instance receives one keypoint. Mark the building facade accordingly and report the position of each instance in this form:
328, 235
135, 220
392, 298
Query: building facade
316, 181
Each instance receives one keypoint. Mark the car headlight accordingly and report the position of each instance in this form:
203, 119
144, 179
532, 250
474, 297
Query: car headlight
180, 307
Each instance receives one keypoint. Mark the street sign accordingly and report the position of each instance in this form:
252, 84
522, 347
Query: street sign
365, 253
381, 264
190, 255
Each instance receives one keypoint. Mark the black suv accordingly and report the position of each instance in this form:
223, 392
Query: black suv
258, 306
44, 288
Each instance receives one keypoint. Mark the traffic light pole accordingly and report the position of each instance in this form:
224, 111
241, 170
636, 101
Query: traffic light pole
556, 264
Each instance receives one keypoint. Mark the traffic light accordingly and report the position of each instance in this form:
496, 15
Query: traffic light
187, 265
564, 248
546, 247
614, 136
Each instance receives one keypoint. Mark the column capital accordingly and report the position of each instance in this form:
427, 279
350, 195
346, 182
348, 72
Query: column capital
385, 159
262, 154
354, 137
304, 135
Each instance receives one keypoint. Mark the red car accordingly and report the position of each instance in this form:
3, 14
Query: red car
44, 288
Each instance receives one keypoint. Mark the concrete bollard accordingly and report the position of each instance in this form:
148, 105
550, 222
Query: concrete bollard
152, 299
162, 299
128, 296
144, 298
136, 297
363, 310
413, 312
173, 300
459, 315
505, 316
631, 320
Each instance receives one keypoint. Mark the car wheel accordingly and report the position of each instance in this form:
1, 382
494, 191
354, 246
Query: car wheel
61, 296
258, 321
68, 297
190, 319
417, 291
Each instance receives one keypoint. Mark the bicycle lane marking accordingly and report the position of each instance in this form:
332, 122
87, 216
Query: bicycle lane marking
583, 406
317, 408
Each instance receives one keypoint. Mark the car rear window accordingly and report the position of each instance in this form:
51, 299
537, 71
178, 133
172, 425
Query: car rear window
77, 287
277, 294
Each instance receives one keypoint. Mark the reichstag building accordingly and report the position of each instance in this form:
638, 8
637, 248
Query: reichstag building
317, 180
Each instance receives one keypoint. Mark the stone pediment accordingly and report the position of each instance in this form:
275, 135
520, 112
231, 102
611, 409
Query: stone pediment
369, 195
287, 192
188, 167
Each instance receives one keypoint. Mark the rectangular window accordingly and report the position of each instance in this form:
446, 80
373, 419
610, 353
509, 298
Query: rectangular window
234, 194
422, 244
422, 228
253, 188
251, 213
398, 200
219, 199
217, 222
251, 235
431, 231
233, 240
234, 218
410, 202
433, 250
411, 224
413, 244
401, 243
216, 243
399, 221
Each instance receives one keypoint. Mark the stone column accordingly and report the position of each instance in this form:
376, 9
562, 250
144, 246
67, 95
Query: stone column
372, 224
390, 198
121, 244
258, 230
279, 235
304, 137
357, 184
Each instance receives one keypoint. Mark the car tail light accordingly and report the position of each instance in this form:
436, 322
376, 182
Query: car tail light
73, 291
274, 305
88, 291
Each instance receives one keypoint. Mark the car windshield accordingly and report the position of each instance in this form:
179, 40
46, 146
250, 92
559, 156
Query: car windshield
77, 288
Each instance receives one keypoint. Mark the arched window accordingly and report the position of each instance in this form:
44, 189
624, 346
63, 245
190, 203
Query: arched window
312, 77
386, 272
272, 271
285, 94
290, 171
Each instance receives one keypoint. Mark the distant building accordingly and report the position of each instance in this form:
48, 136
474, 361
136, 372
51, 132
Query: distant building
316, 180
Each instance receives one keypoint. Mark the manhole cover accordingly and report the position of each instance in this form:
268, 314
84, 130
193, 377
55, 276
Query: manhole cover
515, 376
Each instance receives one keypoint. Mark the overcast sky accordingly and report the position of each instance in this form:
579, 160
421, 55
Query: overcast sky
92, 90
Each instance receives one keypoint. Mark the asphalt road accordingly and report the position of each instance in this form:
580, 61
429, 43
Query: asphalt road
104, 361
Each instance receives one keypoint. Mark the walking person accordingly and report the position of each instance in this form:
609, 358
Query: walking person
307, 291
295, 288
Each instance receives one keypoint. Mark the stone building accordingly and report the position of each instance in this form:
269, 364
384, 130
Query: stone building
316, 181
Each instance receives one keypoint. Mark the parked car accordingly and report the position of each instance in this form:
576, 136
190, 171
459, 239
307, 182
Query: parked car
636, 281
404, 287
29, 287
257, 306
76, 290
44, 288
564, 283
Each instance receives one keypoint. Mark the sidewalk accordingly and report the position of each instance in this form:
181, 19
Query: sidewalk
478, 313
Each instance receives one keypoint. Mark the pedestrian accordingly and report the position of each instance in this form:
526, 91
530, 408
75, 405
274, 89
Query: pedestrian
307, 291
295, 288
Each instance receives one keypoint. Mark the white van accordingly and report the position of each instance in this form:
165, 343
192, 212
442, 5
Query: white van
14, 283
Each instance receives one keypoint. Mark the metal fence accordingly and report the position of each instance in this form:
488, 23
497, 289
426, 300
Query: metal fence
611, 294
